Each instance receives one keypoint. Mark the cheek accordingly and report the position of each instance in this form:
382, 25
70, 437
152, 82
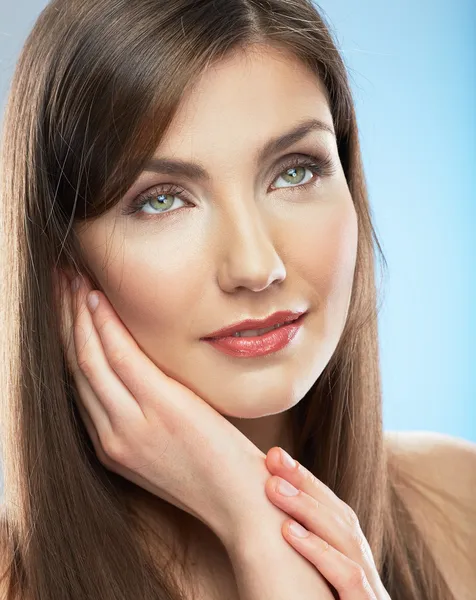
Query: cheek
325, 252
153, 288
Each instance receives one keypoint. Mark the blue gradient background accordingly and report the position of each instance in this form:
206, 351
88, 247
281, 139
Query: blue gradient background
413, 73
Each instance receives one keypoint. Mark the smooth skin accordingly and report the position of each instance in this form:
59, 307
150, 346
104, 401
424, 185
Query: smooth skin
137, 437
242, 244
147, 427
220, 481
333, 542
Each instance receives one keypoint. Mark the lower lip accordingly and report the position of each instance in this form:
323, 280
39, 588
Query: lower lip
260, 345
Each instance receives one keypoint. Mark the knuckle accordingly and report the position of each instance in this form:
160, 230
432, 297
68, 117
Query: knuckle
85, 365
356, 537
103, 326
82, 349
103, 457
355, 578
118, 355
113, 449
75, 369
308, 477
322, 546
96, 441
352, 518
118, 360
357, 540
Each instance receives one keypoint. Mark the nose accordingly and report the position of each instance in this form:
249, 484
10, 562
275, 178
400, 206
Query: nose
249, 258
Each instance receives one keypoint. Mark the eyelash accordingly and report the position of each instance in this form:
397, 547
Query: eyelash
323, 167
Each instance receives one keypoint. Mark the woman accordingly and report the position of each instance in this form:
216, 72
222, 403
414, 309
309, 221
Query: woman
141, 441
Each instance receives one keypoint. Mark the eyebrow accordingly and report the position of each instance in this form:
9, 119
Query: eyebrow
273, 146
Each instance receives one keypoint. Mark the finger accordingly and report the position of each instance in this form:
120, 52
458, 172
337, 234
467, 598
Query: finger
145, 380
108, 402
303, 479
318, 518
63, 307
345, 575
83, 390
92, 432
320, 510
87, 395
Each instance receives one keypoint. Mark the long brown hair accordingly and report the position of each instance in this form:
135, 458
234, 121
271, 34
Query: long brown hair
96, 86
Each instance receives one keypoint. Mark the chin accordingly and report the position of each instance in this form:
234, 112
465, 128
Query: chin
259, 402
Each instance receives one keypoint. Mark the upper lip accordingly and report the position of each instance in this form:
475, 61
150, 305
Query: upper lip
283, 316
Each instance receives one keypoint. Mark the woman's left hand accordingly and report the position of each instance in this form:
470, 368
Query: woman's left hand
335, 544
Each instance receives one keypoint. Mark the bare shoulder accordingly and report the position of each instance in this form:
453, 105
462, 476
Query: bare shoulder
439, 459
441, 496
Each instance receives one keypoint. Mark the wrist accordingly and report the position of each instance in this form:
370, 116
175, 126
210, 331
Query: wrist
243, 500
248, 512
256, 524
267, 566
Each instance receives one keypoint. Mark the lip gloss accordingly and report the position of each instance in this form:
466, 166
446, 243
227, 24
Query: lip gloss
259, 345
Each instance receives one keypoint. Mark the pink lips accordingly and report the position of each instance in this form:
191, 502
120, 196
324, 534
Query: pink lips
283, 316
261, 345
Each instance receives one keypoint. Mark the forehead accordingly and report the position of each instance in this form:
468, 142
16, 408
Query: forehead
245, 100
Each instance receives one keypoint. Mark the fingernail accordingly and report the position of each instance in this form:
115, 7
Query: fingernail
93, 301
298, 530
286, 489
287, 461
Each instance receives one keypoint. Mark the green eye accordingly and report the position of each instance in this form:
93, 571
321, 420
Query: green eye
292, 170
164, 201
295, 174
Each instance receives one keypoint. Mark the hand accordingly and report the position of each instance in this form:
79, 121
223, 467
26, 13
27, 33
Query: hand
146, 426
335, 544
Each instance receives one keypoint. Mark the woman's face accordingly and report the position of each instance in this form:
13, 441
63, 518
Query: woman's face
246, 243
